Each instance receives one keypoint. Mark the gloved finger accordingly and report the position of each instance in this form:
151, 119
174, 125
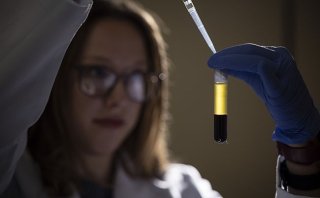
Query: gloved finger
250, 49
254, 64
264, 85
240, 62
272, 83
252, 79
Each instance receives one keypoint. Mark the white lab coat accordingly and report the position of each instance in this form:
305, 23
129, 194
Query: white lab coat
179, 181
34, 36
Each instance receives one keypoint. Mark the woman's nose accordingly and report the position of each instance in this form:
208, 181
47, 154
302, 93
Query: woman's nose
117, 94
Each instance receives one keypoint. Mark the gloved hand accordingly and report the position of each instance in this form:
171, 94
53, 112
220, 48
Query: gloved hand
273, 74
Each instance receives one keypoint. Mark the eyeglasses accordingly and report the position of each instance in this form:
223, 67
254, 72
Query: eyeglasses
97, 81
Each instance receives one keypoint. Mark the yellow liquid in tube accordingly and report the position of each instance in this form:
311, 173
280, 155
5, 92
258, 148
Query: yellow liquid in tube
220, 112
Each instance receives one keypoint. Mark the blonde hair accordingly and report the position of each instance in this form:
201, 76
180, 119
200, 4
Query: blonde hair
146, 147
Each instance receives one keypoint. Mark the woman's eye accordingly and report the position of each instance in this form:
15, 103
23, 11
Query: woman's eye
99, 72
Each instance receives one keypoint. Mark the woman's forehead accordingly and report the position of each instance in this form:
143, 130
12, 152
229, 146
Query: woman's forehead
116, 42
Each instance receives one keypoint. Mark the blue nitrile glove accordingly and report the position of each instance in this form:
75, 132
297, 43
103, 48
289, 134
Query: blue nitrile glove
273, 74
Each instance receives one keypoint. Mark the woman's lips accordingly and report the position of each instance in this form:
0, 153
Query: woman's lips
109, 122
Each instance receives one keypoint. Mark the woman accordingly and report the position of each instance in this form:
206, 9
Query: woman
107, 112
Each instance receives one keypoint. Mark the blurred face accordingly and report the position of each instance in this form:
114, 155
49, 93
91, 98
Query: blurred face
108, 87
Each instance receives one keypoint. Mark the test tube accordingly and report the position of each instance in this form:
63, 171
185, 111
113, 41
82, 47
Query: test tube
220, 87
